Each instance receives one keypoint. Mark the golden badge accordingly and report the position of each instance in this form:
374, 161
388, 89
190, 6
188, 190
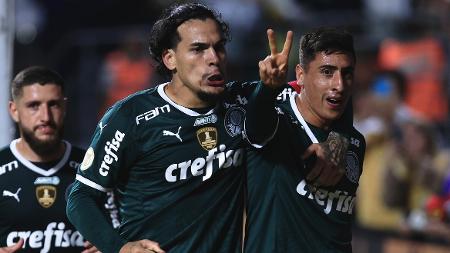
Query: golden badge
46, 195
207, 137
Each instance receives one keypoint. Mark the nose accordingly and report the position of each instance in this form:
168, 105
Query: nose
338, 82
45, 113
212, 56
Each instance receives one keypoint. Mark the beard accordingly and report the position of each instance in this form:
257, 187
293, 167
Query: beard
210, 98
43, 147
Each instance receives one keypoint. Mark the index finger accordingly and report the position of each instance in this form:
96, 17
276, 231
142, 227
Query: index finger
272, 41
287, 43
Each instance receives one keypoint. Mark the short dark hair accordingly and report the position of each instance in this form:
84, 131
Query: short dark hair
164, 34
325, 39
32, 75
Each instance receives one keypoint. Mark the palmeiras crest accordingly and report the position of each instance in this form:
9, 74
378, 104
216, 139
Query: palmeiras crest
234, 120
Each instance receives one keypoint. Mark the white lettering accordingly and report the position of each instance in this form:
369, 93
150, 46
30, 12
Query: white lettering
43, 240
8, 167
285, 94
343, 202
204, 166
152, 113
111, 149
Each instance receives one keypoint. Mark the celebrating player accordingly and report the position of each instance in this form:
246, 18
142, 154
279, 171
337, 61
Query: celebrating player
290, 209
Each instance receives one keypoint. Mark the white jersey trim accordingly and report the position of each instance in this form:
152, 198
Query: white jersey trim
91, 183
179, 107
301, 119
37, 169
264, 143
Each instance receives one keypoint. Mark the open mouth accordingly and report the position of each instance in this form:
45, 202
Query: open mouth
335, 102
216, 80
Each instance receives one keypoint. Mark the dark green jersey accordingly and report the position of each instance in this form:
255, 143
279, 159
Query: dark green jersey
284, 215
32, 202
179, 173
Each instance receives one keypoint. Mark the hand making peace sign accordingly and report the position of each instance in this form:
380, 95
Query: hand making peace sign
273, 69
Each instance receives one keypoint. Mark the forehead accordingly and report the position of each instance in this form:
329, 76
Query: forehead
199, 31
337, 59
37, 91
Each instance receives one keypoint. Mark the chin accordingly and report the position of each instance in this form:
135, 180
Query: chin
211, 96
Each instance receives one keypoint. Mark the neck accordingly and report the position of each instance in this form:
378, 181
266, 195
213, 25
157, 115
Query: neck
184, 96
32, 155
309, 114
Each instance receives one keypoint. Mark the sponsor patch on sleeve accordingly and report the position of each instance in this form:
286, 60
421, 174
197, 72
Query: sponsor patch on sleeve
88, 159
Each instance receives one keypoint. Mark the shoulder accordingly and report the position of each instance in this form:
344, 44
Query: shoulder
132, 107
133, 101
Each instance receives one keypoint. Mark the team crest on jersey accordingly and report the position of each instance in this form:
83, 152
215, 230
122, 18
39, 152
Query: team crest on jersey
234, 120
207, 137
46, 190
46, 195
88, 159
352, 167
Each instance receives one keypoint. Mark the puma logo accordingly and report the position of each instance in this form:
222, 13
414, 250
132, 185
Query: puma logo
7, 193
101, 126
169, 133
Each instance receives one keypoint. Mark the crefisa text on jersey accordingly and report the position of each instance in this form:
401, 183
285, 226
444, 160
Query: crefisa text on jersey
196, 166
44, 239
111, 149
342, 201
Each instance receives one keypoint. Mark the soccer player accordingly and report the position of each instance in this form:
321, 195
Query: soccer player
289, 210
174, 153
37, 169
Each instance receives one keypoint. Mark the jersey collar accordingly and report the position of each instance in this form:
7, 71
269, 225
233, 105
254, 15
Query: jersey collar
37, 169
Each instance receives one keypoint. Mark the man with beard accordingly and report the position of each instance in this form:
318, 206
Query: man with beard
37, 169
174, 153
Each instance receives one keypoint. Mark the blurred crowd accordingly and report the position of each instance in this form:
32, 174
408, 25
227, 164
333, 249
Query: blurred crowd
401, 104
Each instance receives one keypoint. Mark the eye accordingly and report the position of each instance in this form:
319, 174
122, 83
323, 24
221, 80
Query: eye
54, 104
326, 71
33, 106
348, 75
220, 48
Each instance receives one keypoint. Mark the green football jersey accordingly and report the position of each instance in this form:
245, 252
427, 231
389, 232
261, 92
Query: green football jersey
284, 213
179, 173
32, 202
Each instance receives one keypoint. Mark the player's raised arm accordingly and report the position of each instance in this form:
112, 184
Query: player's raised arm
261, 108
273, 69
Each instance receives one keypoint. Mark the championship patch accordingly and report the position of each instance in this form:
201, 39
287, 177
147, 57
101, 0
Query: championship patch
46, 195
352, 167
234, 120
207, 137
88, 159
46, 190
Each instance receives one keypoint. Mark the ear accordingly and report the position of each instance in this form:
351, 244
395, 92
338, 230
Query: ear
13, 111
169, 59
299, 74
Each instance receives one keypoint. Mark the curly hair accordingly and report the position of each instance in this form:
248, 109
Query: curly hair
164, 34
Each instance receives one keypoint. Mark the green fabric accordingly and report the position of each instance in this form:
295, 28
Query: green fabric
179, 175
283, 214
33, 202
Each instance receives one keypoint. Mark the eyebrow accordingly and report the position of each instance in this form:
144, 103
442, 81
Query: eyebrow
198, 43
351, 68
